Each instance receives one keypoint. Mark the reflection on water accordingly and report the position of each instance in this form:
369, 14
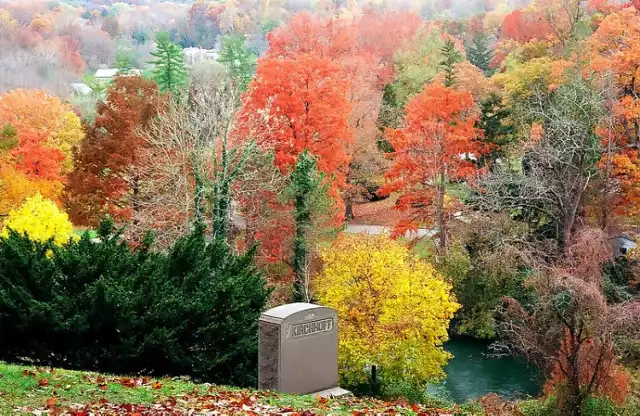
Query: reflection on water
471, 374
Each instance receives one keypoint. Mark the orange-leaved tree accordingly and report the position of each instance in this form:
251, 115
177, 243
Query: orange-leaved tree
105, 181
615, 48
37, 135
435, 147
364, 53
299, 104
36, 113
293, 106
307, 34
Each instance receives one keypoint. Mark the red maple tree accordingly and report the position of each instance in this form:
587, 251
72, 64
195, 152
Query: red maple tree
434, 149
294, 105
525, 27
298, 104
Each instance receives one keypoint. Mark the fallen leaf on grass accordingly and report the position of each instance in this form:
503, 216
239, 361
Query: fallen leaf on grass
28, 373
43, 382
128, 382
51, 402
156, 385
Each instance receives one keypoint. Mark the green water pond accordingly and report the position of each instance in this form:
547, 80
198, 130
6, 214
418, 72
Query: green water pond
473, 373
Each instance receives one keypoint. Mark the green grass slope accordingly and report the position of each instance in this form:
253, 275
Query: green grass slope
37, 390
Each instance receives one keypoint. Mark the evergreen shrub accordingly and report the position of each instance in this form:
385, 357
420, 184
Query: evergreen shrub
105, 306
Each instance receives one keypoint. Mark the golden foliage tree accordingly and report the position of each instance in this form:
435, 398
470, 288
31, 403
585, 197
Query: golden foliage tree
16, 186
34, 112
394, 310
41, 220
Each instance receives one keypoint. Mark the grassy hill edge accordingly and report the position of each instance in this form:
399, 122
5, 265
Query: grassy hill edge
39, 390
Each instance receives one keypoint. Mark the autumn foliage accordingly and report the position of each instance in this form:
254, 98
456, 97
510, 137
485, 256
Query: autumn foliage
41, 220
295, 105
38, 134
616, 52
524, 27
597, 366
394, 310
298, 104
104, 181
434, 149
46, 119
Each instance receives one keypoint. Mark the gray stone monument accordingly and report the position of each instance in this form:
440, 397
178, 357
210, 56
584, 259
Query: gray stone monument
298, 350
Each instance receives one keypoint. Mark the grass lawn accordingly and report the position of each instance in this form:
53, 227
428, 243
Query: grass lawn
36, 390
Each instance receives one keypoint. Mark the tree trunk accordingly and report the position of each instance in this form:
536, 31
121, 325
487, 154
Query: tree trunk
566, 233
221, 213
440, 213
573, 402
303, 221
135, 199
197, 197
442, 226
349, 209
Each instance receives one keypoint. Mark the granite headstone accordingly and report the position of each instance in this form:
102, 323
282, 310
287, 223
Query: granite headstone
298, 350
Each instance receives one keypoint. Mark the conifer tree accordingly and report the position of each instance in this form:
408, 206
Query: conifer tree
170, 72
124, 61
480, 54
306, 186
497, 128
238, 58
451, 58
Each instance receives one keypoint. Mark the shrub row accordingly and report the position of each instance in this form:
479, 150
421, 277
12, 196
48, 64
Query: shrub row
107, 307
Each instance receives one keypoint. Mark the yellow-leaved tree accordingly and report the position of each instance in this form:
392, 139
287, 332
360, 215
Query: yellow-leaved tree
393, 310
41, 220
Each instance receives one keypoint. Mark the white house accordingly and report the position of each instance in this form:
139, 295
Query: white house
108, 74
196, 55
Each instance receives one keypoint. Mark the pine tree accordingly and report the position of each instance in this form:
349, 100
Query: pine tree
451, 58
124, 60
240, 61
170, 72
480, 54
498, 131
306, 185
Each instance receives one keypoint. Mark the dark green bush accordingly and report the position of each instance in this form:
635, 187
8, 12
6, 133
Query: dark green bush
105, 306
618, 276
598, 406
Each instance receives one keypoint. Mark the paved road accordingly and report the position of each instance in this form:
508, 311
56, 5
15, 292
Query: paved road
378, 230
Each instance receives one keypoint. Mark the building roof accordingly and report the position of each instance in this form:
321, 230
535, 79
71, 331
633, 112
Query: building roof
106, 73
80, 88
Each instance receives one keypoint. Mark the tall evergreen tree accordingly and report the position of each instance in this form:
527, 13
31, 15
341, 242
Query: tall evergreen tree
238, 58
451, 57
497, 127
480, 54
170, 72
124, 60
306, 186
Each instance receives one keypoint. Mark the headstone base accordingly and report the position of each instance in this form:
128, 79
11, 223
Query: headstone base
333, 393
